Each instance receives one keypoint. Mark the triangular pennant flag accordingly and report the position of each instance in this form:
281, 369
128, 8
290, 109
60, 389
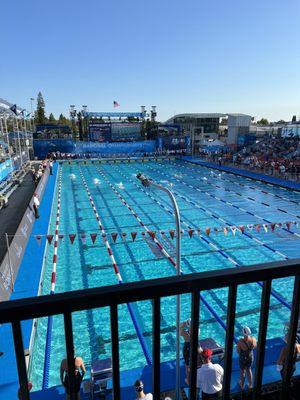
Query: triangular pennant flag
60, 237
93, 237
265, 226
49, 238
143, 234
152, 234
216, 230
257, 227
288, 225
133, 235
207, 231
250, 227
242, 228
162, 233
273, 226
124, 234
114, 236
181, 232
199, 231
190, 232
104, 238
38, 239
83, 238
172, 233
233, 230
72, 237
225, 230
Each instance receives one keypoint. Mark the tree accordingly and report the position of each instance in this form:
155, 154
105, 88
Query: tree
263, 121
40, 117
63, 120
51, 118
294, 119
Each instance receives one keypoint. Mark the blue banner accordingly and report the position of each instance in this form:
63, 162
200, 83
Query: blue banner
113, 114
5, 169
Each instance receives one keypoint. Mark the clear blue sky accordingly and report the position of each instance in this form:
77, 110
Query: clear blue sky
181, 55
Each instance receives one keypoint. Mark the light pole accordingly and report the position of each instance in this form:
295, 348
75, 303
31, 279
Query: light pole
148, 182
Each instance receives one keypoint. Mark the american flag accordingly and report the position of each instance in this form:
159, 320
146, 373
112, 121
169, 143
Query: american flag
116, 104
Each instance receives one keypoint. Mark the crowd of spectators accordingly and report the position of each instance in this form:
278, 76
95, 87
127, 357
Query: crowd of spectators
273, 155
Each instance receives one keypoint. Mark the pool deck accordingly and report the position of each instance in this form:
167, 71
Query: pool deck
26, 285
168, 376
245, 173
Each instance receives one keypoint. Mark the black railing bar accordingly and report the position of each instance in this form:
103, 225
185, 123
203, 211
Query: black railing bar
263, 326
230, 322
156, 347
70, 353
35, 307
294, 320
20, 358
194, 344
114, 329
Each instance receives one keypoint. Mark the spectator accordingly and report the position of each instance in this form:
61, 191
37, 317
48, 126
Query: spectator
64, 377
282, 358
19, 391
36, 204
51, 167
139, 388
210, 377
245, 348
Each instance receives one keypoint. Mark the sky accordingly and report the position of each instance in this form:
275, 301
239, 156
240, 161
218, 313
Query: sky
182, 56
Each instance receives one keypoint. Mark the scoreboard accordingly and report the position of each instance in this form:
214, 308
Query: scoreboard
114, 131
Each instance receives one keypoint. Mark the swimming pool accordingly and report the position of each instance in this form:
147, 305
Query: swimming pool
106, 198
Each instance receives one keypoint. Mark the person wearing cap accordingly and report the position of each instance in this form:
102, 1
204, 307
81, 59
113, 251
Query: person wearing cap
210, 377
139, 388
245, 347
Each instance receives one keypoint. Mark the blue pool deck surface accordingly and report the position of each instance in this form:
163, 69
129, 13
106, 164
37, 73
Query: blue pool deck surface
247, 174
27, 285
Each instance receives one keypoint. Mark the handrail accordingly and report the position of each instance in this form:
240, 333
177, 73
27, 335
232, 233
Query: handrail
36, 307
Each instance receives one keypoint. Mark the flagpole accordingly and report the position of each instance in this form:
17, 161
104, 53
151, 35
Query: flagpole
19, 142
7, 138
26, 136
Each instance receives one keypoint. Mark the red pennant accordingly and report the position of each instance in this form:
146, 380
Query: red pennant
114, 236
104, 237
172, 233
38, 239
93, 237
60, 237
242, 228
49, 238
133, 235
207, 231
83, 238
72, 237
152, 234
257, 227
288, 225
190, 232
273, 227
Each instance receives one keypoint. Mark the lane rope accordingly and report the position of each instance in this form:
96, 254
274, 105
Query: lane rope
46, 372
116, 270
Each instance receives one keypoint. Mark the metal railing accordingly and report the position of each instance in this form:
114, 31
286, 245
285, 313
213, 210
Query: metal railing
111, 296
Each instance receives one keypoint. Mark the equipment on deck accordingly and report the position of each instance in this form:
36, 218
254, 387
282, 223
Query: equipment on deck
101, 373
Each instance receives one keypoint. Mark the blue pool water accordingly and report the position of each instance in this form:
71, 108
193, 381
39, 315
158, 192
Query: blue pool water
206, 198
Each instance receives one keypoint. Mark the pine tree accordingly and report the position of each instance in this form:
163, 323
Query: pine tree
51, 118
40, 117
62, 120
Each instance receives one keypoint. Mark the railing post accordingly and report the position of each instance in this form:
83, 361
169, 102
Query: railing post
194, 344
114, 328
21, 364
70, 353
230, 321
289, 361
156, 348
263, 325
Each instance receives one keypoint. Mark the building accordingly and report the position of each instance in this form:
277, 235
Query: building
207, 126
